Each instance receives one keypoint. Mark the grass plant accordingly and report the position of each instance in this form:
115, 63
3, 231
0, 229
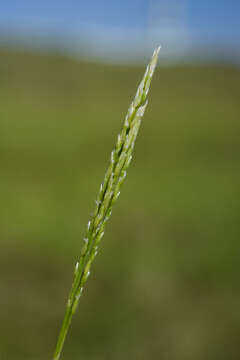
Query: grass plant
109, 191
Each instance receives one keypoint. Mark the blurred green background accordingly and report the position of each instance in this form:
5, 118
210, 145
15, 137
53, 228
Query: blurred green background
166, 282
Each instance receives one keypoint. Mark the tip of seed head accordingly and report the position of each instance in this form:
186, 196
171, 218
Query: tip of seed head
156, 51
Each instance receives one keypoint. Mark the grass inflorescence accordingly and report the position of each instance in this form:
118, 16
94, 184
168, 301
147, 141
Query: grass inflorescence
109, 191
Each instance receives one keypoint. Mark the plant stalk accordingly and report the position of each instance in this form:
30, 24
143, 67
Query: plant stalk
109, 191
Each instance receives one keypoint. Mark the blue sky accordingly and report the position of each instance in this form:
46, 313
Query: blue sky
112, 24
121, 13
221, 18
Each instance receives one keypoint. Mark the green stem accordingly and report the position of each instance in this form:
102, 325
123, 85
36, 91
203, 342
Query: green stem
63, 333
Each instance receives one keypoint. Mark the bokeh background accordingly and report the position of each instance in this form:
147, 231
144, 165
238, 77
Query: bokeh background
166, 282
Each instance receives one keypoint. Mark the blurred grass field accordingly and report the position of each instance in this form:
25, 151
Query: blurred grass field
166, 282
